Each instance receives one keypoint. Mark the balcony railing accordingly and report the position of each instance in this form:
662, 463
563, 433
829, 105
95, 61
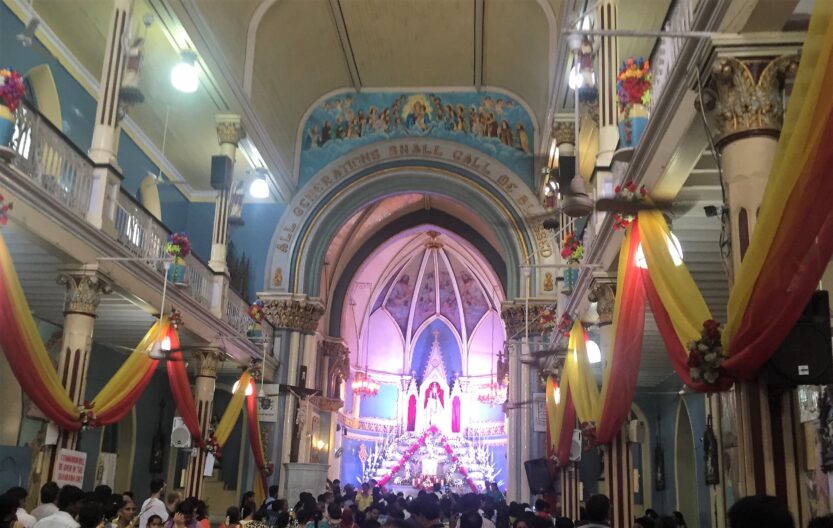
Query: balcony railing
65, 173
48, 158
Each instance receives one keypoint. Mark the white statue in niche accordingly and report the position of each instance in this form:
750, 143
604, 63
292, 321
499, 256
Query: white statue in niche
433, 402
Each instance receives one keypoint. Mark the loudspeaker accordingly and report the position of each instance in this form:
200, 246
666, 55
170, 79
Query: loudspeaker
538, 476
576, 446
805, 357
180, 436
221, 172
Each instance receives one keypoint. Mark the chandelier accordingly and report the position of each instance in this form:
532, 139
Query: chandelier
364, 385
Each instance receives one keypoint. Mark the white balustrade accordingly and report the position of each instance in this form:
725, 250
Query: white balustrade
237, 313
664, 58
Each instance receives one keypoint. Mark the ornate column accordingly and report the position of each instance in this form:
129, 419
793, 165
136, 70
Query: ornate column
208, 361
608, 64
617, 484
106, 176
84, 287
335, 359
760, 431
296, 319
229, 133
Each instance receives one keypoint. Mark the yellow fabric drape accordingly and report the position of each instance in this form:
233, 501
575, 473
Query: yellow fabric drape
232, 412
582, 382
676, 288
800, 137
127, 377
555, 413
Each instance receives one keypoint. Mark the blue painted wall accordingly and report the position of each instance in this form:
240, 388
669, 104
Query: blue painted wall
200, 228
383, 405
254, 238
448, 346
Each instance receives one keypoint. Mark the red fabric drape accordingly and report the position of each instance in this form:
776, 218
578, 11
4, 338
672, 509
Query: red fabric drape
253, 425
181, 390
455, 415
412, 413
801, 250
565, 440
118, 412
619, 386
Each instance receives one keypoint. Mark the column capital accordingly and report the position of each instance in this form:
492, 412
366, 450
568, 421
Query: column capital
603, 292
84, 287
515, 319
301, 315
564, 132
749, 95
326, 404
229, 129
208, 362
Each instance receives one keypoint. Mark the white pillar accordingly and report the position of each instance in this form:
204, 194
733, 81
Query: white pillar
608, 64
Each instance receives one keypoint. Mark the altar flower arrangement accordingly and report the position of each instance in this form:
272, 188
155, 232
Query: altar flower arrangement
12, 91
572, 250
630, 192
633, 89
178, 246
706, 355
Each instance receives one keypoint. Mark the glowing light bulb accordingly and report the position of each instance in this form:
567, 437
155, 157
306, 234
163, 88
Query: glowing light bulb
236, 385
557, 395
594, 353
166, 343
184, 76
259, 188
674, 248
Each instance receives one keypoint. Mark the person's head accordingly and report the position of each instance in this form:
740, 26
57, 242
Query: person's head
8, 511
49, 492
283, 519
678, 516
249, 508
365, 488
525, 519
127, 510
260, 514
248, 496
374, 511
172, 500
202, 510
563, 522
651, 514
273, 491
279, 505
542, 506
157, 486
598, 509
471, 519
821, 522
759, 512
188, 508
426, 512
90, 514
347, 517
19, 494
102, 493
154, 521
233, 515
644, 522
334, 511
69, 499
437, 487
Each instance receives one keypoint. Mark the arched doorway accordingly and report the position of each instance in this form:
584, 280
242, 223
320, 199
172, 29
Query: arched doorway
685, 468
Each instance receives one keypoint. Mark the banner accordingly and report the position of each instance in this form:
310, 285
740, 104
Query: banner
69, 468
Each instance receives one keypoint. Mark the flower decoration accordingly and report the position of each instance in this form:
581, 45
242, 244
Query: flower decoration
255, 369
213, 447
565, 325
547, 319
12, 89
588, 435
87, 416
176, 319
630, 192
4, 210
706, 355
256, 312
572, 250
178, 245
633, 86
267, 469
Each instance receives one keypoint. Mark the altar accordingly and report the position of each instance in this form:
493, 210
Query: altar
430, 467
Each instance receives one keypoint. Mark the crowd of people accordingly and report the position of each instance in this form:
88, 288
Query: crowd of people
367, 507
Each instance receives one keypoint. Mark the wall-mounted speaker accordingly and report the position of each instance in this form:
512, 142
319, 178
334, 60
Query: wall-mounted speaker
222, 171
806, 356
538, 476
576, 446
180, 436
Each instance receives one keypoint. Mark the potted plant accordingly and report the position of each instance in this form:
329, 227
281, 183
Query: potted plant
572, 250
177, 247
256, 314
11, 93
633, 89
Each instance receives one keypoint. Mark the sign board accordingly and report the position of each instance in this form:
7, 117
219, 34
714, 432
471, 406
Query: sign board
267, 407
69, 467
539, 412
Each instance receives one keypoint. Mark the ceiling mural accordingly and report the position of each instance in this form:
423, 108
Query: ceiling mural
491, 122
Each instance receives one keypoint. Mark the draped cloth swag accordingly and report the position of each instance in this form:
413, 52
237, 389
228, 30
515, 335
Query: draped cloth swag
256, 442
33, 368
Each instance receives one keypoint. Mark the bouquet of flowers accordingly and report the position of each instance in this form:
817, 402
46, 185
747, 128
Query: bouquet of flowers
633, 87
11, 88
547, 320
627, 191
565, 325
178, 245
572, 250
4, 209
256, 311
706, 355
176, 318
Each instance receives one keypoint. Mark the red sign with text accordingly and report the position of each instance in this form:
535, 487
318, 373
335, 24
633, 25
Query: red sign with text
69, 468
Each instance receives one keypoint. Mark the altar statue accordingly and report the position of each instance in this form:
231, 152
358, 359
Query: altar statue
433, 404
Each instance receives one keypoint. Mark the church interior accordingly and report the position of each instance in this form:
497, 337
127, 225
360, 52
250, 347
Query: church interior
526, 249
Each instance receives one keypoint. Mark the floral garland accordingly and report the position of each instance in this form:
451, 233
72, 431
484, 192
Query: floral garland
633, 86
87, 416
706, 355
565, 325
267, 470
588, 435
4, 210
630, 192
547, 320
433, 430
12, 89
178, 245
255, 370
572, 250
213, 447
256, 312
176, 319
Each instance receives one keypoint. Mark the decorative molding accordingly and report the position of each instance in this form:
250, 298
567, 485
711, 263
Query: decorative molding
326, 404
564, 132
515, 317
208, 362
749, 94
291, 314
230, 129
83, 290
